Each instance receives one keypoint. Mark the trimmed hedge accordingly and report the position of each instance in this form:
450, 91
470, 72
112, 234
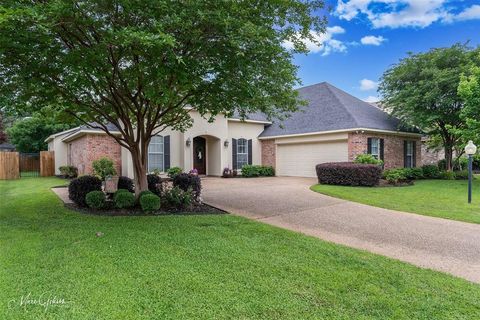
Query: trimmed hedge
348, 174
249, 171
95, 199
79, 187
126, 183
430, 171
186, 182
145, 192
124, 199
150, 203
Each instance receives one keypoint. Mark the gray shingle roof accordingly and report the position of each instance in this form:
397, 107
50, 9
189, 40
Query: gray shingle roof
109, 126
329, 108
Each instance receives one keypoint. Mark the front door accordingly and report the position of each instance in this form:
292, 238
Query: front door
200, 155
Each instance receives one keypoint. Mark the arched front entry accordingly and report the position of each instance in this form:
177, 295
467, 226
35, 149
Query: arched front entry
200, 154
206, 155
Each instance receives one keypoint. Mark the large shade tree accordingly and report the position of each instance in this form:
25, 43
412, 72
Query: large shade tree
422, 90
469, 90
139, 64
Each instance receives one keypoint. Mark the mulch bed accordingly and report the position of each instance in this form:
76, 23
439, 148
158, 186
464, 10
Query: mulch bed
110, 210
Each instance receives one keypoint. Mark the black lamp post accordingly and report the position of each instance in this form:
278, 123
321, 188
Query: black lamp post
470, 150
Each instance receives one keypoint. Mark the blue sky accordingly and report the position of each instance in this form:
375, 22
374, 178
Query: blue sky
365, 37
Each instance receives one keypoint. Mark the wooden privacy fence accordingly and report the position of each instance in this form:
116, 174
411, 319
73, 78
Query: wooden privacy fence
47, 163
12, 164
9, 165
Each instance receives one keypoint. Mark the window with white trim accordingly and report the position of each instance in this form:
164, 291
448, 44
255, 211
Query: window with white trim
409, 154
375, 149
242, 153
155, 154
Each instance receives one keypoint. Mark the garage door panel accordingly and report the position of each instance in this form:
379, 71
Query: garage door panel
300, 159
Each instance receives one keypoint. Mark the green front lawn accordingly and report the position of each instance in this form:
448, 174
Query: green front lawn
200, 267
437, 198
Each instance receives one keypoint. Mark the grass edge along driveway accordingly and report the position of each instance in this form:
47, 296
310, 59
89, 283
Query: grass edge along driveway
437, 198
202, 267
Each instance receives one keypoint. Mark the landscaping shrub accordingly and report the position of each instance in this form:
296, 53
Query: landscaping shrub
145, 192
447, 175
177, 198
154, 184
79, 187
173, 171
395, 176
68, 171
186, 181
430, 171
413, 173
126, 183
124, 199
462, 175
368, 159
95, 199
348, 174
103, 167
249, 171
460, 164
150, 203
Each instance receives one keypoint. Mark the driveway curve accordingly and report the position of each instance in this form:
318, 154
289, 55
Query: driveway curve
287, 202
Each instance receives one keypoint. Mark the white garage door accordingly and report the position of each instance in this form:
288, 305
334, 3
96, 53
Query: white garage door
300, 159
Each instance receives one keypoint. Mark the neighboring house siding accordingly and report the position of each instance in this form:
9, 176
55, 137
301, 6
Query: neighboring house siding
90, 147
268, 153
393, 148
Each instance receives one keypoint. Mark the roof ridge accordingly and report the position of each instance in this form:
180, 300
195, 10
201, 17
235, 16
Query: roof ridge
328, 86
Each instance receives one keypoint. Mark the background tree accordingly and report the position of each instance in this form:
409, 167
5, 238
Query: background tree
469, 90
3, 135
138, 64
28, 134
422, 91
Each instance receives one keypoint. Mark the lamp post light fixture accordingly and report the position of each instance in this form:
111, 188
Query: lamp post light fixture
470, 150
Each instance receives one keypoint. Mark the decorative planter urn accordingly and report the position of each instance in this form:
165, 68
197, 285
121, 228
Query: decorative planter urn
111, 184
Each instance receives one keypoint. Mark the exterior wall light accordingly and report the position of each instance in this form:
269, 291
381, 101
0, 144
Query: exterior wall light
188, 142
226, 143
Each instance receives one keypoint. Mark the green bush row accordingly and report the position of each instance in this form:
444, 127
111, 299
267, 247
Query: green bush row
425, 172
249, 171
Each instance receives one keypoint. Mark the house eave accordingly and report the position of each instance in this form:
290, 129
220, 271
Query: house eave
357, 130
53, 136
81, 133
249, 121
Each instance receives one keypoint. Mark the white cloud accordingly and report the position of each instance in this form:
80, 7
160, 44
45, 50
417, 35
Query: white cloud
371, 99
404, 13
372, 40
366, 85
470, 13
324, 42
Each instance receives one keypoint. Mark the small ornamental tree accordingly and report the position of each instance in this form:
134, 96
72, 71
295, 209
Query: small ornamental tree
143, 65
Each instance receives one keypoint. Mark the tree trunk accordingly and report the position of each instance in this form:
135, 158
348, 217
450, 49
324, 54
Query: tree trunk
448, 157
140, 171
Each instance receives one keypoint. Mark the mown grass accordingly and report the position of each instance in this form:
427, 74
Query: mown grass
437, 198
199, 267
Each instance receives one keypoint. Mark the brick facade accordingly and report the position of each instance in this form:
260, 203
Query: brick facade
268, 153
393, 148
84, 150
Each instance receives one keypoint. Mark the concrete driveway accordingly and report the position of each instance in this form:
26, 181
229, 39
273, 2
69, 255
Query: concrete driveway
439, 244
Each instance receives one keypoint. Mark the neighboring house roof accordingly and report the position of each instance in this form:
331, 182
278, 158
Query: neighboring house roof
7, 146
331, 109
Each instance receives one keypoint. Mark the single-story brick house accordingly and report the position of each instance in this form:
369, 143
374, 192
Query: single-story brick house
333, 126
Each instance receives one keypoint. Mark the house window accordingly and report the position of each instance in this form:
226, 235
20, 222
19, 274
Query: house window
375, 149
155, 154
242, 153
409, 154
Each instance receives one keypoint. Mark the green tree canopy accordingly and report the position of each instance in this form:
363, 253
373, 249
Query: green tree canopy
422, 90
469, 90
138, 63
29, 134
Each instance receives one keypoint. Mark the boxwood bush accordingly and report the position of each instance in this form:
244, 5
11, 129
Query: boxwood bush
150, 202
79, 187
124, 199
249, 171
95, 199
145, 192
187, 181
348, 174
126, 183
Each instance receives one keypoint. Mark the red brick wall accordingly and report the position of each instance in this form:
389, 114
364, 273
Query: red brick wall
90, 147
393, 148
268, 153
